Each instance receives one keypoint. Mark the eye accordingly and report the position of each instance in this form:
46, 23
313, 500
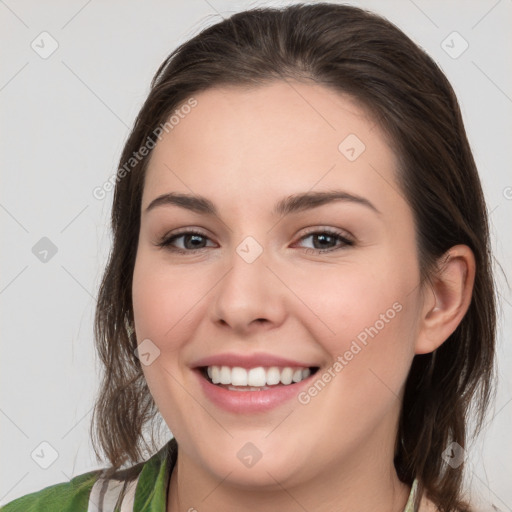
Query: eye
326, 238
192, 242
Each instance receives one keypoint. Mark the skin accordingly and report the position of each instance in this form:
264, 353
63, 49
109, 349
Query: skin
245, 149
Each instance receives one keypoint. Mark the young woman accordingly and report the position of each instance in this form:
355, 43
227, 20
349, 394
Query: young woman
300, 281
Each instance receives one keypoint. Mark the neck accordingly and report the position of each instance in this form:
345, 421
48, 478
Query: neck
361, 484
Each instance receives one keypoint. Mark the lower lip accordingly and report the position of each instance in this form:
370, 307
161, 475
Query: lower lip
250, 401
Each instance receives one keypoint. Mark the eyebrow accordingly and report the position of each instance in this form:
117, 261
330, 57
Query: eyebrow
291, 204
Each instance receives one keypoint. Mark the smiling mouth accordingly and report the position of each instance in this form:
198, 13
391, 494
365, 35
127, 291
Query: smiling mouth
255, 379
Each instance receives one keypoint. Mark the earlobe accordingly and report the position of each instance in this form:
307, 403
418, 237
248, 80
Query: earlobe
448, 298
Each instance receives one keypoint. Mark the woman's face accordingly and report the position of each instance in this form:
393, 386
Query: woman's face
253, 291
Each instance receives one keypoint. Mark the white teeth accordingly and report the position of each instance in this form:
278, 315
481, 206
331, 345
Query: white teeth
286, 375
215, 374
238, 377
256, 378
225, 375
273, 376
237, 388
297, 375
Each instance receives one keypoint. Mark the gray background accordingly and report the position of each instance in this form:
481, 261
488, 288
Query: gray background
64, 121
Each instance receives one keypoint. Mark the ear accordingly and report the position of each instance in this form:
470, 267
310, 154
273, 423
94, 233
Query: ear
447, 298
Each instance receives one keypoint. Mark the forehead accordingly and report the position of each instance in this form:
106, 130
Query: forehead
282, 137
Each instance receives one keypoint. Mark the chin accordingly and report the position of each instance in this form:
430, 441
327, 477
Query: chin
261, 464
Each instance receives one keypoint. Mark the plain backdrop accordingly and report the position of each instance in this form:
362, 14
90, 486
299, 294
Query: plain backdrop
65, 118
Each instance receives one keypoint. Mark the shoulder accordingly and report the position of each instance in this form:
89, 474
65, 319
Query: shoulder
102, 490
72, 496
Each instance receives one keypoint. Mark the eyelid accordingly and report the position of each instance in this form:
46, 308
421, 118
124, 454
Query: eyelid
328, 229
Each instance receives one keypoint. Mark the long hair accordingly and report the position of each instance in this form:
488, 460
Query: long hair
361, 54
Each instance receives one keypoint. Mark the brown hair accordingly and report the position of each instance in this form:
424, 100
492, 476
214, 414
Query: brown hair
356, 52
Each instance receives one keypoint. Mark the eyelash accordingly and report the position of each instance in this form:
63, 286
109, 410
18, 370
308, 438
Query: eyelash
166, 241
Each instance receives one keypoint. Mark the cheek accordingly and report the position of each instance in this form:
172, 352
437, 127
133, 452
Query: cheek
349, 300
162, 300
160, 304
367, 317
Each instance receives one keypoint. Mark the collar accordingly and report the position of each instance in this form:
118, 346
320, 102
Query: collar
153, 481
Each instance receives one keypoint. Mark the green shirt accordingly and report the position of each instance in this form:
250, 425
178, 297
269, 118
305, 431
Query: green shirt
146, 490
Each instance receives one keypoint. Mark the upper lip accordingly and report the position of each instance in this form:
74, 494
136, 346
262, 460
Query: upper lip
248, 361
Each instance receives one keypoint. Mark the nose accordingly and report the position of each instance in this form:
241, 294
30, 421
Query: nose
250, 297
